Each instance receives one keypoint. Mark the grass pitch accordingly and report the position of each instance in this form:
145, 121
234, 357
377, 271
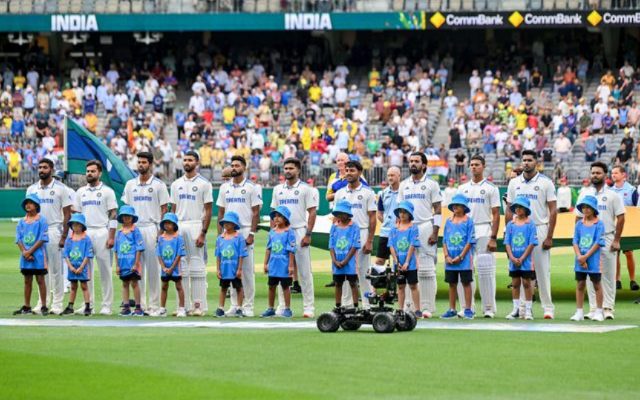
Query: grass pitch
176, 363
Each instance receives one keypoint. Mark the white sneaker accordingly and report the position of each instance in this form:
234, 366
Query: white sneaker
247, 312
162, 312
181, 313
105, 311
528, 315
461, 313
231, 312
175, 313
155, 313
57, 311
608, 314
599, 317
489, 314
514, 314
578, 316
589, 315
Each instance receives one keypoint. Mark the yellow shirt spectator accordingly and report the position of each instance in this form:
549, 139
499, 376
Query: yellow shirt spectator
206, 156
218, 157
146, 133
19, 81
521, 121
91, 121
306, 138
314, 93
228, 115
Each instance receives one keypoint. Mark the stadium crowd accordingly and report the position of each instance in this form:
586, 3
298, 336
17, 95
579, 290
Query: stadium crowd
267, 112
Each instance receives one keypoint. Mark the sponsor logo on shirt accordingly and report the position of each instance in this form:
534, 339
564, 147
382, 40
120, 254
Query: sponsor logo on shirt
228, 252
91, 203
184, 196
415, 196
75, 255
586, 241
29, 239
518, 239
142, 198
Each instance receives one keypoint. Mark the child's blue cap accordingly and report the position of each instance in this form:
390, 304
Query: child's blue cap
342, 207
78, 219
231, 217
31, 198
169, 217
589, 201
282, 210
521, 201
127, 210
404, 206
460, 200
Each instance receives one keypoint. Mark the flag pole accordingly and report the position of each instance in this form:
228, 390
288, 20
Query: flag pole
66, 147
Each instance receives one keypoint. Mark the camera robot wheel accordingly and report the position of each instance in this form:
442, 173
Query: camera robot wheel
405, 321
384, 322
350, 325
328, 322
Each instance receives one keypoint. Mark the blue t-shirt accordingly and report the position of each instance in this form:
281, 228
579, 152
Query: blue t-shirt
401, 241
29, 233
229, 252
76, 251
586, 237
126, 247
456, 236
387, 202
168, 249
280, 244
341, 241
519, 237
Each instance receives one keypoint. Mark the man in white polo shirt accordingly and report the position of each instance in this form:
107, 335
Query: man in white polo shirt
541, 192
55, 206
424, 194
363, 207
302, 200
97, 202
484, 202
192, 201
243, 197
149, 197
611, 212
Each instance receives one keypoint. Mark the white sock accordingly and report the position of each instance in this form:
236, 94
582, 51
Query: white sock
528, 304
579, 311
516, 304
599, 310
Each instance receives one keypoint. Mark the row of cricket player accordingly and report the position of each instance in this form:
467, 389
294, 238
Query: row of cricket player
416, 200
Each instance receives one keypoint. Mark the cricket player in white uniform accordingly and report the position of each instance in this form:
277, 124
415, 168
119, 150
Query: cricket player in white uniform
59, 175
55, 206
302, 200
484, 202
424, 194
192, 201
243, 197
541, 192
364, 207
149, 197
611, 213
97, 202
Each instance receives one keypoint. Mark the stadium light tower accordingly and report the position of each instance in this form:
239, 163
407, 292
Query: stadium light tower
20, 40
147, 38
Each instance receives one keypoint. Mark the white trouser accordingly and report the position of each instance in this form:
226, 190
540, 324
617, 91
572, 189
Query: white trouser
248, 277
363, 262
608, 282
427, 257
193, 265
150, 269
542, 265
55, 278
101, 256
303, 263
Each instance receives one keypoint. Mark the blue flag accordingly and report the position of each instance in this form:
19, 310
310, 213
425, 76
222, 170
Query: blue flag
82, 146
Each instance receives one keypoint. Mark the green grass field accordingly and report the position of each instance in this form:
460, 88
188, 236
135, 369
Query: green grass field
176, 363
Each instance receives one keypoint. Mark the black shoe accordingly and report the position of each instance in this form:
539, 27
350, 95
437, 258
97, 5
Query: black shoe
67, 311
331, 284
87, 312
132, 303
296, 289
634, 286
618, 285
24, 310
44, 311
